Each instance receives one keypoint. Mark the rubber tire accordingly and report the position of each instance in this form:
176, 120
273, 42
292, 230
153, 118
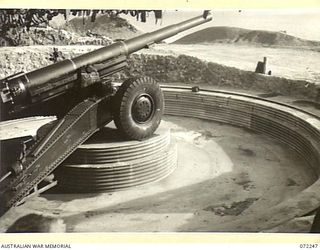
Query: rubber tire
123, 102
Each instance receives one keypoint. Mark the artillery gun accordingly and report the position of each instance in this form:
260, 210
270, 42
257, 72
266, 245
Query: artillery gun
89, 101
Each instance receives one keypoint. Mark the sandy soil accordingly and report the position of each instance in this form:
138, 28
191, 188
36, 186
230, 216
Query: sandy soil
224, 174
283, 62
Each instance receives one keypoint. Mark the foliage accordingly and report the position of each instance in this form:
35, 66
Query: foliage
26, 18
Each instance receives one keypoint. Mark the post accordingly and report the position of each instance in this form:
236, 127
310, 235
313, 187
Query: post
262, 66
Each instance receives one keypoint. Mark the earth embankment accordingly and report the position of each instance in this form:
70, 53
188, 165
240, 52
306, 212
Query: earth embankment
165, 69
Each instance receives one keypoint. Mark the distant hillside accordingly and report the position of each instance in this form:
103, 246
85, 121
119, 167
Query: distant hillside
112, 27
243, 36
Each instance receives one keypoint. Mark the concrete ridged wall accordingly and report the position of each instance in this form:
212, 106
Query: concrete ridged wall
297, 129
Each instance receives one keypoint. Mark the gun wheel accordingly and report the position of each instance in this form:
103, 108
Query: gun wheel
138, 107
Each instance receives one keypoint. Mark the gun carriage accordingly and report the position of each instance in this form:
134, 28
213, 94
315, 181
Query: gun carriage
80, 93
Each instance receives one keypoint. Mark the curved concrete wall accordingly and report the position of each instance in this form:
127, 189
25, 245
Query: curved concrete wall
296, 128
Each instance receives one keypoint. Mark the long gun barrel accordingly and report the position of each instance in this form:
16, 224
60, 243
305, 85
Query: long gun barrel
27, 88
136, 107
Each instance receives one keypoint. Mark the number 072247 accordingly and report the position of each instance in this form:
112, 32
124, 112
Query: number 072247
309, 246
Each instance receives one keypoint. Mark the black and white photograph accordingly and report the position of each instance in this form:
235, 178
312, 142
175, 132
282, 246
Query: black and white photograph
164, 120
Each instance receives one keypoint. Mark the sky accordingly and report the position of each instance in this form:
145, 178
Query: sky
303, 23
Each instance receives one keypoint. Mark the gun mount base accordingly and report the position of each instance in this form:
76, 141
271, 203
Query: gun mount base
107, 163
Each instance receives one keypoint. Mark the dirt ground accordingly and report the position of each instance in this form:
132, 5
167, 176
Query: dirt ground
225, 175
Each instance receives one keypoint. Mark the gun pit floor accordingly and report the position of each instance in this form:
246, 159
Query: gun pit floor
226, 178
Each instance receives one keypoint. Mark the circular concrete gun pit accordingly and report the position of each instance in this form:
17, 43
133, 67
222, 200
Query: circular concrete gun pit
226, 176
227, 179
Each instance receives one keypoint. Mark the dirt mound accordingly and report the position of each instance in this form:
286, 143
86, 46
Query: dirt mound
49, 36
113, 27
244, 36
191, 70
165, 69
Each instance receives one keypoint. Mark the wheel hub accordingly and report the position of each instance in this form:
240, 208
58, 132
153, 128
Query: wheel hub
142, 109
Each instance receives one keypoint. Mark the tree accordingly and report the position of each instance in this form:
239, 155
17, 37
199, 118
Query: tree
26, 18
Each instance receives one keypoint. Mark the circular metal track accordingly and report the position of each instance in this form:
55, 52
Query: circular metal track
107, 163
